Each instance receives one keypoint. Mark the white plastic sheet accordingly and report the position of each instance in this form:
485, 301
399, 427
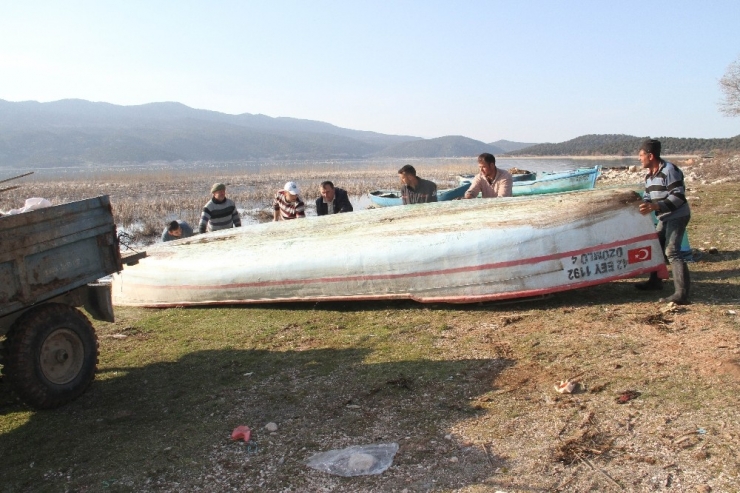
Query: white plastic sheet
31, 205
358, 460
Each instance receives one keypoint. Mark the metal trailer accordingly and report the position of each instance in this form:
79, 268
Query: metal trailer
50, 262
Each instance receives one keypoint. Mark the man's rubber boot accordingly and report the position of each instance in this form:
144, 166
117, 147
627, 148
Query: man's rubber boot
652, 284
682, 283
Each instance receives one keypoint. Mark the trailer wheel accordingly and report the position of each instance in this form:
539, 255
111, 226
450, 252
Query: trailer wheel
51, 355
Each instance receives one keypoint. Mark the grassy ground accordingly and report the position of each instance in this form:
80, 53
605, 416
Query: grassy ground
466, 392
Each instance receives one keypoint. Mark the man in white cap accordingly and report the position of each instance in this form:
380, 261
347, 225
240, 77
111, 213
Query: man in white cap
287, 203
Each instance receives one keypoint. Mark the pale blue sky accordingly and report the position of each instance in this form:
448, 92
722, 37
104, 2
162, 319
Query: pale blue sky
529, 71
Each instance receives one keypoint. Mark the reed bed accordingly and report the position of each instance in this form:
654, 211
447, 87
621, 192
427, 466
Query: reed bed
144, 201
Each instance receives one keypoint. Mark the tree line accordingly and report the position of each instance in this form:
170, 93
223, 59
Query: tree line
626, 145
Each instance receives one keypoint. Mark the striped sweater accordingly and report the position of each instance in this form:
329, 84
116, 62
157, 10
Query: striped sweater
666, 188
219, 215
288, 210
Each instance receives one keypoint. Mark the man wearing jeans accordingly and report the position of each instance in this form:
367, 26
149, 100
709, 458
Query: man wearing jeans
665, 194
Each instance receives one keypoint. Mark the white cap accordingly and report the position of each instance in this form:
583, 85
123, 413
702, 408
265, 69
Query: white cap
292, 188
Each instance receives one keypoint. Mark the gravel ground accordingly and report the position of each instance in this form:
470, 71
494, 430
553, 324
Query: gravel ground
698, 171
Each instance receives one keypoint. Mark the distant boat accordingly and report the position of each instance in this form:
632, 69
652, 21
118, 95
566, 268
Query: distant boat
563, 181
524, 184
458, 251
387, 198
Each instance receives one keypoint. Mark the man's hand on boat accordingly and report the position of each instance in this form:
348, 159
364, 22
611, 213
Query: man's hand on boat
648, 207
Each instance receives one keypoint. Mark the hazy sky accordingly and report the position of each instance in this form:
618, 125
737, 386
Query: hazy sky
529, 71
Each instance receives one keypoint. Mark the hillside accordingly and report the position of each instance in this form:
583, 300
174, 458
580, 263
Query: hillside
450, 146
626, 145
81, 113
76, 132
509, 146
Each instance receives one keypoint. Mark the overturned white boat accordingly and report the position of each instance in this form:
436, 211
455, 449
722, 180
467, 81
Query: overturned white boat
456, 252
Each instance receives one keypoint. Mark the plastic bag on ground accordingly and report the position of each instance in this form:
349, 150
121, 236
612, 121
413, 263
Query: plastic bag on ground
358, 460
241, 432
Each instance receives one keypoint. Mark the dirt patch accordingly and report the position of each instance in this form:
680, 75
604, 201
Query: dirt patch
730, 367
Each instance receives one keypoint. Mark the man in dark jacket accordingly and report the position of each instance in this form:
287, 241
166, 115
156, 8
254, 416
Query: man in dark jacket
416, 190
332, 200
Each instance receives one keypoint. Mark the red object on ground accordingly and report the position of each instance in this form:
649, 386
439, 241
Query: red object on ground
241, 432
627, 396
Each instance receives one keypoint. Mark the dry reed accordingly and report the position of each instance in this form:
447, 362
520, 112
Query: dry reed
145, 200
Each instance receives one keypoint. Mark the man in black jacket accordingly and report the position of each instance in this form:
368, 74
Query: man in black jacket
416, 190
332, 200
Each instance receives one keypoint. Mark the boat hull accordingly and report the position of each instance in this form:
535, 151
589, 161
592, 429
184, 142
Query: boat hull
568, 181
455, 252
386, 198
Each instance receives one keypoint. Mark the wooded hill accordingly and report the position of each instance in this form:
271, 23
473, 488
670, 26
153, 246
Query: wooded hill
508, 146
626, 145
450, 146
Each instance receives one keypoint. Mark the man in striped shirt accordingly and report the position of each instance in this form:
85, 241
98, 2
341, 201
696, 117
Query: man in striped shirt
287, 204
219, 212
665, 194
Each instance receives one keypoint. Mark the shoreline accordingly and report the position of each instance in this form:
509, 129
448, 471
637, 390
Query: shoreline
607, 157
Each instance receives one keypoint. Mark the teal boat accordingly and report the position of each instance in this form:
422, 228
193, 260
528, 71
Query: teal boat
539, 183
388, 198
516, 175
550, 182
561, 181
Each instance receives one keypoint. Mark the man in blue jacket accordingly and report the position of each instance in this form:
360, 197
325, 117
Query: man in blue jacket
176, 230
332, 200
665, 194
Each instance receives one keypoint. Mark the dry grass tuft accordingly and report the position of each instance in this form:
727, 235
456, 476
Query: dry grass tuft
585, 444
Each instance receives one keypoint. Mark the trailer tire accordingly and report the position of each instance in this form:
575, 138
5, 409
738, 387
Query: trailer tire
51, 355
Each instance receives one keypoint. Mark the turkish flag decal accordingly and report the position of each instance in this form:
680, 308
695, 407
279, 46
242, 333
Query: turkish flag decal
639, 254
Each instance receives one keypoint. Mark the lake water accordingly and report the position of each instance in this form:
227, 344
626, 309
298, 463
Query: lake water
531, 164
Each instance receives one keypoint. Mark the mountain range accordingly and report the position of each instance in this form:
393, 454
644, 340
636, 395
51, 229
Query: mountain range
73, 132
